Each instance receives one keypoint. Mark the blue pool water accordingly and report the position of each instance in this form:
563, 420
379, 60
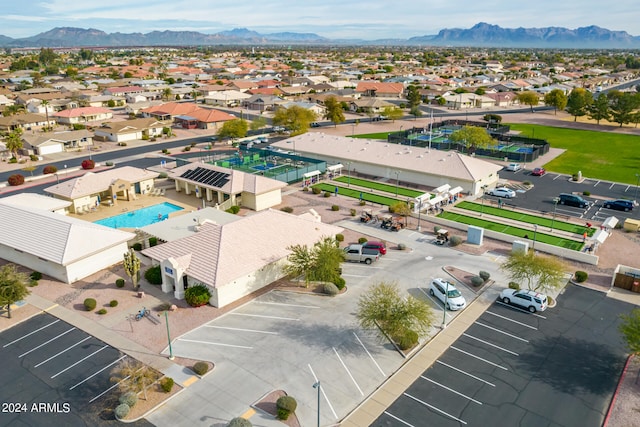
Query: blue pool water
140, 217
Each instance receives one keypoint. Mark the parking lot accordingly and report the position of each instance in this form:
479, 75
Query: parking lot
55, 374
510, 367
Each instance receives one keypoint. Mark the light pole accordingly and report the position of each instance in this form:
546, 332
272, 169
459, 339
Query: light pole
166, 320
349, 174
484, 187
535, 230
419, 211
406, 222
446, 301
397, 181
555, 205
317, 386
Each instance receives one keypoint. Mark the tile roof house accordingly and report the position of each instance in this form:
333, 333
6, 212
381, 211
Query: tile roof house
380, 89
236, 258
83, 115
188, 115
43, 144
128, 130
27, 121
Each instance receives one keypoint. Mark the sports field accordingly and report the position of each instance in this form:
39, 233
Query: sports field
387, 188
368, 197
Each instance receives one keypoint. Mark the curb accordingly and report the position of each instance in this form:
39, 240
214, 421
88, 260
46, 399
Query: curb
615, 394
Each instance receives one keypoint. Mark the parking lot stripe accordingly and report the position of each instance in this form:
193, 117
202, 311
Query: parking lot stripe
63, 351
435, 409
265, 317
348, 371
288, 305
398, 419
511, 320
465, 373
93, 375
520, 309
110, 388
451, 390
502, 332
369, 354
240, 329
323, 392
30, 333
215, 343
45, 343
79, 361
490, 344
353, 275
479, 358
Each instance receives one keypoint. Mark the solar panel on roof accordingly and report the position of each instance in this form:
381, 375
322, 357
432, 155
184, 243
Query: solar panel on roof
207, 177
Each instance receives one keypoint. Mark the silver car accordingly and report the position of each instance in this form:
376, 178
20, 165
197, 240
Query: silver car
502, 192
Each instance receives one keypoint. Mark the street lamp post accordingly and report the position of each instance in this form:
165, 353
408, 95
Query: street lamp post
397, 181
484, 187
446, 302
317, 386
406, 218
555, 205
535, 230
349, 174
166, 320
419, 211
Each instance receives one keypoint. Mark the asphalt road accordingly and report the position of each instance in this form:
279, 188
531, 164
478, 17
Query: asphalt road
512, 368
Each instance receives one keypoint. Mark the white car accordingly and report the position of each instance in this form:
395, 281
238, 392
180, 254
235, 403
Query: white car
502, 192
527, 299
447, 293
514, 167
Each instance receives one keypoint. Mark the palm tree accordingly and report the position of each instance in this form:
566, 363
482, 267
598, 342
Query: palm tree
13, 286
46, 104
13, 141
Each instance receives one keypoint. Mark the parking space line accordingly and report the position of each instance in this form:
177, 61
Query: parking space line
63, 351
45, 343
348, 371
241, 329
353, 275
490, 344
465, 373
451, 390
287, 305
265, 317
398, 419
479, 358
215, 343
511, 320
110, 388
596, 184
323, 392
79, 361
520, 309
30, 333
611, 186
93, 375
435, 409
502, 332
370, 356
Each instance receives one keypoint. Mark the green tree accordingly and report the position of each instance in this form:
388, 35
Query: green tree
46, 104
472, 137
392, 113
480, 91
622, 106
578, 102
236, 128
258, 123
320, 262
301, 262
383, 306
47, 56
599, 109
13, 286
13, 141
132, 266
630, 330
12, 110
535, 272
528, 98
166, 93
297, 119
556, 99
334, 111
414, 99
133, 376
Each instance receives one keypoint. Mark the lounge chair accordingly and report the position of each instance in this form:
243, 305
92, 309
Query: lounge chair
162, 191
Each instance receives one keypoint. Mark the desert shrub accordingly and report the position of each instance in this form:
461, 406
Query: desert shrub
88, 164
36, 275
121, 411
408, 340
402, 246
340, 237
89, 304
153, 275
163, 175
120, 283
113, 303
233, 209
286, 405
102, 311
339, 282
145, 137
352, 212
129, 398
187, 148
33, 283
362, 240
193, 144
327, 194
455, 240
137, 246
514, 285
477, 281
550, 301
15, 179
362, 203
200, 368
13, 160
527, 183
239, 422
436, 228
316, 190
305, 189
335, 208
165, 151
108, 163
586, 193
153, 241
167, 384
33, 158
122, 144
49, 169
287, 209
484, 275
330, 289
574, 177
581, 276
197, 296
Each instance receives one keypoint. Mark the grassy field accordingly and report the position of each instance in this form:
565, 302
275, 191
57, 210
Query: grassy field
377, 135
531, 219
513, 231
602, 155
380, 186
373, 198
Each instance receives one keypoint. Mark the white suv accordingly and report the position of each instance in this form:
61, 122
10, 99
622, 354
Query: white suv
453, 299
527, 299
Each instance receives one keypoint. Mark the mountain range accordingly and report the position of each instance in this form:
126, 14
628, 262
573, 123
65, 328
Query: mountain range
480, 35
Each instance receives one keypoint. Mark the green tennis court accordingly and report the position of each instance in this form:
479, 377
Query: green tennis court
387, 188
368, 197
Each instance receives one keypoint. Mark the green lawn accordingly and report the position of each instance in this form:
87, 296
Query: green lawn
387, 188
531, 219
377, 135
343, 191
602, 155
513, 231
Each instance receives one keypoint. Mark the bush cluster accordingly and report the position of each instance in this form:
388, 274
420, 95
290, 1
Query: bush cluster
153, 241
88, 164
330, 289
239, 422
137, 246
36, 275
477, 281
120, 283
187, 148
108, 163
335, 208
402, 246
362, 203
130, 399
102, 311
362, 240
15, 179
514, 285
352, 212
233, 209
121, 411
316, 190
340, 237
200, 368
113, 303
287, 209
455, 240
339, 282
49, 169
286, 406
484, 275
408, 340
90, 304
197, 295
153, 275
581, 276
167, 384
327, 194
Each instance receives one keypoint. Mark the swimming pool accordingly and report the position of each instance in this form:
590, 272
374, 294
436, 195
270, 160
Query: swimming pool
140, 217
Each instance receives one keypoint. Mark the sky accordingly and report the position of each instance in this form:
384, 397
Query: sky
334, 19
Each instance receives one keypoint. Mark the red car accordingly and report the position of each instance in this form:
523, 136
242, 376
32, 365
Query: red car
380, 246
538, 172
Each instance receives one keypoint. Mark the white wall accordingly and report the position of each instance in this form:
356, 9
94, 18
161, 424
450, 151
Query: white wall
266, 200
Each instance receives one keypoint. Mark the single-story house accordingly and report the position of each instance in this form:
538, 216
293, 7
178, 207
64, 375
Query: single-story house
226, 98
29, 200
27, 121
129, 130
56, 142
380, 89
237, 258
83, 115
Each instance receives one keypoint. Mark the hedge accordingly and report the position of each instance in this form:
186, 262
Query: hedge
197, 296
153, 275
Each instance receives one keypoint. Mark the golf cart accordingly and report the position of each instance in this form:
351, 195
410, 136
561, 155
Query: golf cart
442, 237
366, 215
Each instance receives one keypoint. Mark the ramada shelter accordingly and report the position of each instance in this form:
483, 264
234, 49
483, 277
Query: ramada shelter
236, 258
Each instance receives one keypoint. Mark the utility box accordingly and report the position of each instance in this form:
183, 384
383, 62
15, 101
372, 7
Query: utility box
631, 224
475, 235
520, 247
